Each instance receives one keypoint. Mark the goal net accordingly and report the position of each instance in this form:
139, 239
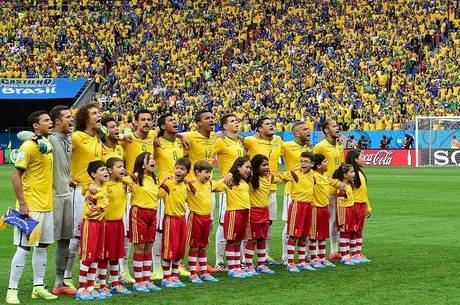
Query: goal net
437, 141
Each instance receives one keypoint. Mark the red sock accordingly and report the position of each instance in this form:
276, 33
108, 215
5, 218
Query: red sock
166, 265
290, 250
301, 250
147, 267
175, 268
91, 274
230, 255
313, 249
203, 260
322, 249
359, 242
192, 259
261, 252
84, 267
237, 256
352, 243
249, 253
102, 273
138, 265
114, 282
344, 243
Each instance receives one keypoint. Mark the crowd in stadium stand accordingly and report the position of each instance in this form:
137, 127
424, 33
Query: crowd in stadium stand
372, 65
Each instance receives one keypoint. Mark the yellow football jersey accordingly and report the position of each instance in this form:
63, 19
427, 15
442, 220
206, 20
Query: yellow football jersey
174, 195
201, 148
238, 196
321, 190
145, 195
291, 152
85, 149
270, 149
333, 153
301, 184
227, 151
95, 204
112, 152
199, 195
166, 156
136, 147
37, 179
346, 201
259, 197
117, 200
360, 194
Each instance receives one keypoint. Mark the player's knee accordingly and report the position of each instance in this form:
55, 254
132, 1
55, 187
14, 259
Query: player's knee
24, 248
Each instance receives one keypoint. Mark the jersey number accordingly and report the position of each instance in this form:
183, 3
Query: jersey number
144, 148
336, 160
207, 153
175, 155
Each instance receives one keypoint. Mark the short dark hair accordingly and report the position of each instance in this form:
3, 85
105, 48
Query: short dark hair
260, 121
307, 154
202, 165
141, 111
318, 159
325, 125
295, 125
223, 120
111, 162
34, 117
198, 115
107, 119
185, 162
162, 121
93, 166
56, 112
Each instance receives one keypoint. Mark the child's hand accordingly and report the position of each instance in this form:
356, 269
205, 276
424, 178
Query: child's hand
228, 180
342, 188
92, 189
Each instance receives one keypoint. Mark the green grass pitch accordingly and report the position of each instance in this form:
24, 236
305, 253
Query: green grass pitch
412, 239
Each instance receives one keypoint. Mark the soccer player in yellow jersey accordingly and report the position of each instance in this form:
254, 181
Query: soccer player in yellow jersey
92, 231
345, 212
199, 220
268, 144
227, 150
168, 150
142, 138
291, 152
110, 146
32, 181
202, 141
299, 212
259, 193
362, 207
333, 152
143, 220
237, 215
174, 192
319, 229
86, 147
114, 240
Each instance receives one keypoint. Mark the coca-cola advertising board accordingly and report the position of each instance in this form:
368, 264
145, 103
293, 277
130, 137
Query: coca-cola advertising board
388, 157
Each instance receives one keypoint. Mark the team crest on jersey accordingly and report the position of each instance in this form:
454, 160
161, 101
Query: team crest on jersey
20, 156
179, 144
150, 141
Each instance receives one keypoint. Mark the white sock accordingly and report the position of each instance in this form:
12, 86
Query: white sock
39, 258
220, 244
334, 237
73, 249
17, 266
269, 239
156, 252
284, 240
123, 262
243, 247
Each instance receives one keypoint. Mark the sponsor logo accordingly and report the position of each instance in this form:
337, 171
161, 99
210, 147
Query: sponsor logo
446, 157
378, 158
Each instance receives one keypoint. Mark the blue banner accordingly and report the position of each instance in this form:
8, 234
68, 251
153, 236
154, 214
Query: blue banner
40, 88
